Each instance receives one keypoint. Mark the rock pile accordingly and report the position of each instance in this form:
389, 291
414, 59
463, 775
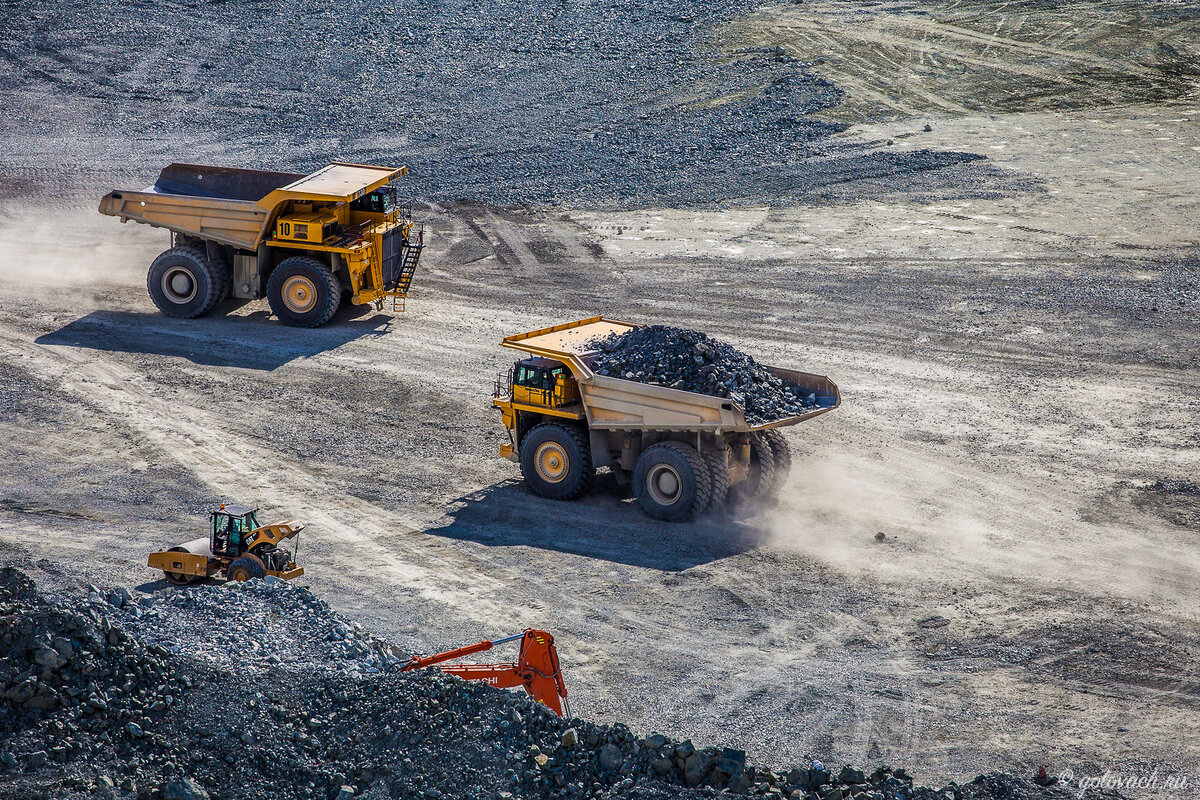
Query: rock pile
679, 358
260, 690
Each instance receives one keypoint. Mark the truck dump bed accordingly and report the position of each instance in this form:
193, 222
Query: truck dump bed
615, 403
216, 203
234, 206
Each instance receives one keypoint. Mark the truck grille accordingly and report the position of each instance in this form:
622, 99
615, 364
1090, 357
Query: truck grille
393, 249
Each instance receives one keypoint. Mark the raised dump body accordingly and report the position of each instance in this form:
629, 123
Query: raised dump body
684, 452
301, 241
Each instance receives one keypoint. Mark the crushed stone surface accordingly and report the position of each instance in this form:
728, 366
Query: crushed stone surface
692, 361
259, 690
599, 104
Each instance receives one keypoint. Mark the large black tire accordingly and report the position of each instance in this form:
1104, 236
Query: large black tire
672, 481
781, 452
303, 292
182, 282
244, 568
757, 484
718, 472
556, 461
224, 276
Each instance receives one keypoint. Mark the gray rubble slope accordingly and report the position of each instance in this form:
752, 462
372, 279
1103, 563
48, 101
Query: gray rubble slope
259, 690
608, 103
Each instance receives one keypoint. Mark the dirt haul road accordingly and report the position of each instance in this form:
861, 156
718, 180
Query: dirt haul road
1018, 368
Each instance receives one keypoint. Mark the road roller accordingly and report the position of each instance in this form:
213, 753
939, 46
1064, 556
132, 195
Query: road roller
237, 548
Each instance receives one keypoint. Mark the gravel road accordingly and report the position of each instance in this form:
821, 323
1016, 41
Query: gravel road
1014, 336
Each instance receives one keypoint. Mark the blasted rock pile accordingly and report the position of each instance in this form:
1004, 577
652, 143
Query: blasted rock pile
259, 690
679, 358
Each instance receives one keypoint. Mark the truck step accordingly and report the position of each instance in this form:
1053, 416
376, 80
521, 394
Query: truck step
408, 266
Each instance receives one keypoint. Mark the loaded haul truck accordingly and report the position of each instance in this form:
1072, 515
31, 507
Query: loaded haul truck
683, 452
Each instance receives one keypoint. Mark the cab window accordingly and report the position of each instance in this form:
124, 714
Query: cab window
538, 377
380, 201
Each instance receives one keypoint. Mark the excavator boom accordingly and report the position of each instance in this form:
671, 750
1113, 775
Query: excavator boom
536, 667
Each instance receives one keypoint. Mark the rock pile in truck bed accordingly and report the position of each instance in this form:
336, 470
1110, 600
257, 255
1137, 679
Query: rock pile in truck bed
259, 690
679, 358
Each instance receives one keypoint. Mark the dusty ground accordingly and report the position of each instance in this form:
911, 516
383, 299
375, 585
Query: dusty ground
1019, 369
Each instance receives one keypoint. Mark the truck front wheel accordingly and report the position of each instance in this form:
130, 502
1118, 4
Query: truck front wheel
556, 461
672, 481
182, 282
303, 293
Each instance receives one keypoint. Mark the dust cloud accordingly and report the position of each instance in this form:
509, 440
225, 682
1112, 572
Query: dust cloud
940, 525
78, 248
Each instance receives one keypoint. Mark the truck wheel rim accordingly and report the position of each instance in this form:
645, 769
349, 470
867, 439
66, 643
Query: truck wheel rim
299, 294
664, 484
179, 285
552, 462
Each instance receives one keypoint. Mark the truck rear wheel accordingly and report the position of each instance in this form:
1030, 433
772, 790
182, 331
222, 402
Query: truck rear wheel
672, 481
781, 452
759, 477
556, 461
182, 282
718, 471
303, 292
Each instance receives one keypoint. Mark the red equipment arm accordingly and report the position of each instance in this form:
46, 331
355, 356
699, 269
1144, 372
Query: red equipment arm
536, 667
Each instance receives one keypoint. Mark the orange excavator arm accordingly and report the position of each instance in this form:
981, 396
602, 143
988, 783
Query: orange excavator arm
536, 667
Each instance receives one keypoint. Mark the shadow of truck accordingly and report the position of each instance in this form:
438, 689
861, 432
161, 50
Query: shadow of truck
216, 341
601, 525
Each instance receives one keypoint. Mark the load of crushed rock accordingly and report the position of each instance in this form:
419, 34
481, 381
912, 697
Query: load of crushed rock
259, 690
679, 358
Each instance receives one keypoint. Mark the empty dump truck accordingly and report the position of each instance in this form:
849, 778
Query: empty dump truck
302, 241
682, 452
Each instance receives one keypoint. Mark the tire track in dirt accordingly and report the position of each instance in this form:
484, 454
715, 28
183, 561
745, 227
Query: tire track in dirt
963, 58
367, 534
236, 466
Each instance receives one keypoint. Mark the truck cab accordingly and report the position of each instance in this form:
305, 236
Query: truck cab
533, 389
231, 526
543, 382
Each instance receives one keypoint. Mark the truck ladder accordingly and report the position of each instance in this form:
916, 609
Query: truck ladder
408, 266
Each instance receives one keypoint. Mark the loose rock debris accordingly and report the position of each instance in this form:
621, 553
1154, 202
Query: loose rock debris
259, 690
679, 358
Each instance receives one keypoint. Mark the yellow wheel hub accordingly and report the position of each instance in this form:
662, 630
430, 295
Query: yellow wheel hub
299, 294
552, 462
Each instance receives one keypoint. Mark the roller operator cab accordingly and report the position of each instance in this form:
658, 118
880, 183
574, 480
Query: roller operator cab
301, 241
682, 453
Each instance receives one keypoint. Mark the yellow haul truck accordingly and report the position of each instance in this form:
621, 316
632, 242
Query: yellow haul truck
683, 452
303, 241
